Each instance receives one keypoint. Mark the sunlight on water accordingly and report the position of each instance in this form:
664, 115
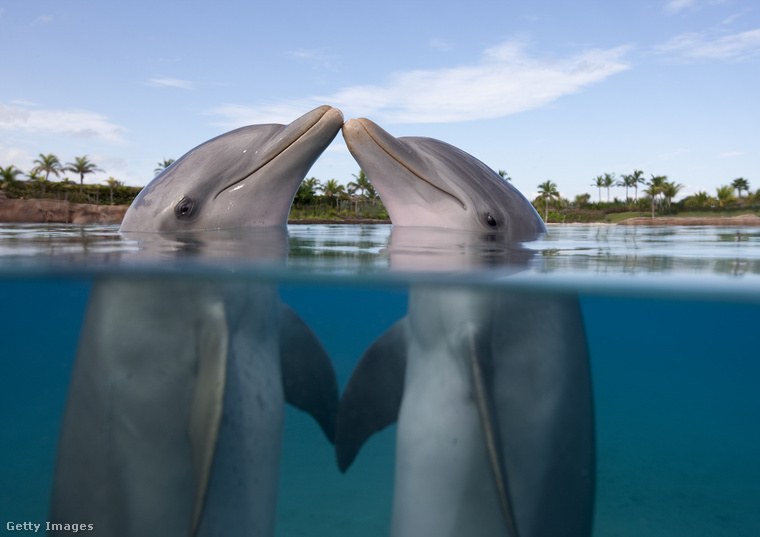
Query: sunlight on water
668, 313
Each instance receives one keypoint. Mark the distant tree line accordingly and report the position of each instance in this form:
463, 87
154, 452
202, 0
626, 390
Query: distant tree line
358, 198
658, 194
37, 183
314, 199
330, 199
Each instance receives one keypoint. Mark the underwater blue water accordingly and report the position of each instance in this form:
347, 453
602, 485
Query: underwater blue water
672, 344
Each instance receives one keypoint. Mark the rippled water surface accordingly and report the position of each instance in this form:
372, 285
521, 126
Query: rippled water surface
670, 315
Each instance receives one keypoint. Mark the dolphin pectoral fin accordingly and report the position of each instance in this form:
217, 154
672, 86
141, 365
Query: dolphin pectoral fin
372, 398
491, 433
206, 407
308, 377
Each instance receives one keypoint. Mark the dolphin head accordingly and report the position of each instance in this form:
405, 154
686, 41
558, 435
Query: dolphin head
246, 177
424, 182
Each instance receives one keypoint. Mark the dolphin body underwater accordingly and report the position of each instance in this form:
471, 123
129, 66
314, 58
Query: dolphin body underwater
173, 422
491, 391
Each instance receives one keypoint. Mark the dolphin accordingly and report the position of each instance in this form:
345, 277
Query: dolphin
246, 177
491, 390
425, 182
174, 414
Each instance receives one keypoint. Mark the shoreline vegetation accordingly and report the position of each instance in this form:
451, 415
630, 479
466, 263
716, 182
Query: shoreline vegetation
40, 200
36, 211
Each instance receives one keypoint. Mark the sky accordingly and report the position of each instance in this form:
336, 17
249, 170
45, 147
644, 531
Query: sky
547, 90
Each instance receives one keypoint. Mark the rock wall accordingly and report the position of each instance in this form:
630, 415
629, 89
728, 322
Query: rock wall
741, 220
59, 212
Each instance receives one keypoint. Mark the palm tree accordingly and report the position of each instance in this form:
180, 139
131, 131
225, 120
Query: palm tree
504, 175
609, 180
32, 175
163, 165
372, 193
725, 195
599, 183
113, 183
361, 184
670, 191
82, 166
581, 199
307, 191
700, 199
48, 164
331, 189
658, 181
66, 186
547, 190
740, 183
652, 190
8, 175
637, 180
655, 186
627, 181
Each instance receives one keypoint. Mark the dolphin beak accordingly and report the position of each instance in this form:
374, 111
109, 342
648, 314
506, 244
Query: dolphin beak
361, 133
304, 139
324, 121
371, 145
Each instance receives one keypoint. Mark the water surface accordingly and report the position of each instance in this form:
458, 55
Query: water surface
669, 315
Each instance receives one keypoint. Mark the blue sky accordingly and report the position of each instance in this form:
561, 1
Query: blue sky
546, 90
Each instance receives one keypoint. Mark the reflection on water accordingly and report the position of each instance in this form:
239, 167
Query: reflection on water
631, 250
673, 366
567, 249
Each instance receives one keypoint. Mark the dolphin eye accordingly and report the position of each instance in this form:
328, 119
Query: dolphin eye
491, 220
184, 209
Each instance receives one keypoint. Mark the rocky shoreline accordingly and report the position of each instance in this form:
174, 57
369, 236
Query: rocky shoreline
17, 211
63, 212
58, 212
741, 220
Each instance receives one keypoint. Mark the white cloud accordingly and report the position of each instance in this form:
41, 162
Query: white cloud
676, 6
14, 156
505, 81
731, 154
42, 19
236, 115
318, 58
109, 162
22, 102
440, 44
167, 82
73, 123
698, 46
731, 18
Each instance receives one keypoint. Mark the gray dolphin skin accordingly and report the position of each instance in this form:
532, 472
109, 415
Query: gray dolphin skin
246, 177
174, 415
173, 421
424, 182
491, 390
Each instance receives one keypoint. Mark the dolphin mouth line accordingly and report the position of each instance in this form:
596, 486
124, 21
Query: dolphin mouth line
274, 155
413, 172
